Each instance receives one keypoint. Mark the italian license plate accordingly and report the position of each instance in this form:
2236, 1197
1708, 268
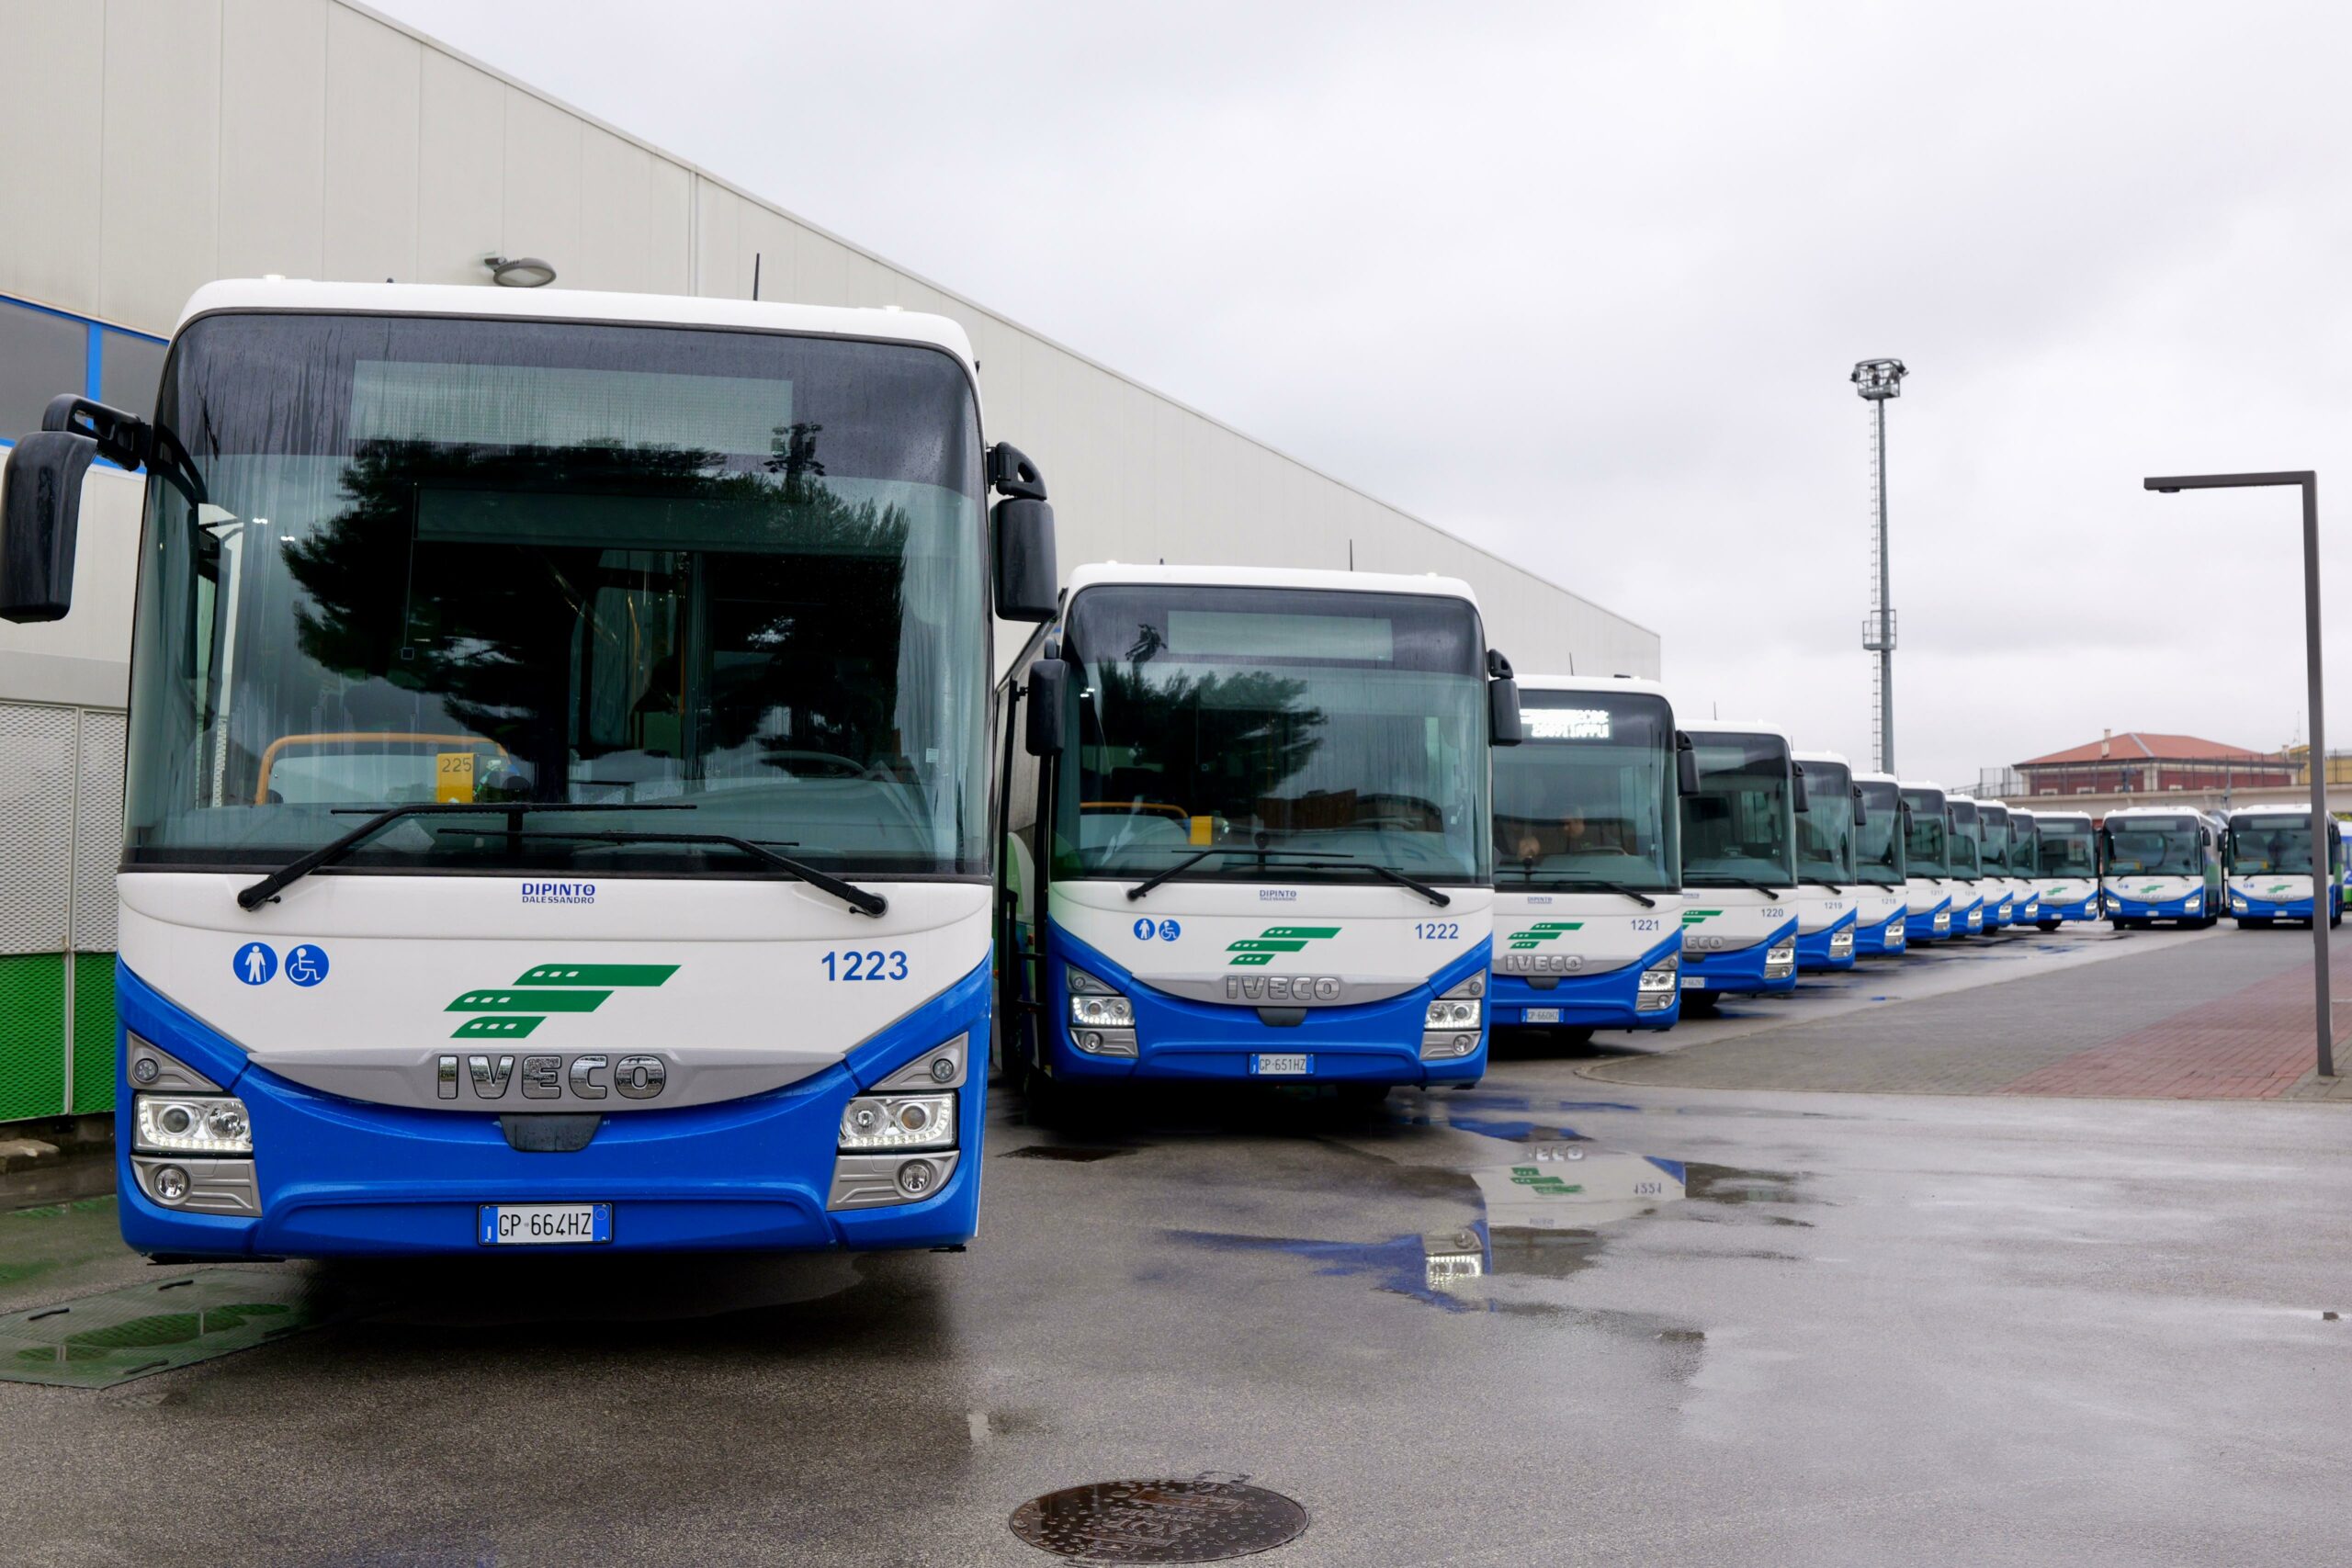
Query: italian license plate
1282, 1064
544, 1224
1543, 1015
1694, 982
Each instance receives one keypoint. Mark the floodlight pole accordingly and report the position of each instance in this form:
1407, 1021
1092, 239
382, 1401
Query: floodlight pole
1876, 381
2321, 870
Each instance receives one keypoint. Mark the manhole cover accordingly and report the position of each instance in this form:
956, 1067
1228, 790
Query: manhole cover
1202, 1521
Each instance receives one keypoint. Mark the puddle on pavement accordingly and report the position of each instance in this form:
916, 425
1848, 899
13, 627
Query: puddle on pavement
1073, 1153
100, 1340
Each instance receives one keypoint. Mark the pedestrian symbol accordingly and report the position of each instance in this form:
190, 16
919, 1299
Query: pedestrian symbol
255, 962
306, 965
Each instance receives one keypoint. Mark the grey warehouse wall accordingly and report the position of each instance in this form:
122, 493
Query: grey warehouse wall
315, 139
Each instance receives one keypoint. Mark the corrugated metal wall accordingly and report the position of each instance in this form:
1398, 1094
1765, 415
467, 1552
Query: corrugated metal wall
314, 139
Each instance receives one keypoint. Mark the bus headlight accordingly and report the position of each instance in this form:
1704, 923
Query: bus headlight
1943, 920
2195, 902
1655, 991
192, 1124
1093, 1005
1451, 1012
2237, 904
899, 1121
1842, 944
1781, 960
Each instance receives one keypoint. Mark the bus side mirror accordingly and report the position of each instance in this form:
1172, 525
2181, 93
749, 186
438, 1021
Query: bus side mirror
1800, 790
1026, 577
1048, 690
1504, 726
39, 522
1861, 817
1686, 765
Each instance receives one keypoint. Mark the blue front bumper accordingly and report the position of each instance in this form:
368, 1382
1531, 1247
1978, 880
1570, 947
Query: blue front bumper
1374, 1042
1814, 954
345, 1177
2084, 908
1591, 1001
1883, 938
1741, 971
2246, 906
1929, 925
1998, 913
2188, 907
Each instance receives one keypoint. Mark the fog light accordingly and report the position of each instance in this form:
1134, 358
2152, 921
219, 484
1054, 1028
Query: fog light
171, 1183
145, 1071
916, 1175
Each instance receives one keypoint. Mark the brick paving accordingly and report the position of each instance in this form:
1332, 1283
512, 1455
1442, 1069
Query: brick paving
2226, 1017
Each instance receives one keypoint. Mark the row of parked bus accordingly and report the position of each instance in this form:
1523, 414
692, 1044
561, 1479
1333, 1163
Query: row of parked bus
566, 802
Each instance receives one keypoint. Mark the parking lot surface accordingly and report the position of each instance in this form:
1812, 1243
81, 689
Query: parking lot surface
1552, 1319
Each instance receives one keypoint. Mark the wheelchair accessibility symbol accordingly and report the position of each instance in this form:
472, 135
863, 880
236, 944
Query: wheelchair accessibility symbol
306, 965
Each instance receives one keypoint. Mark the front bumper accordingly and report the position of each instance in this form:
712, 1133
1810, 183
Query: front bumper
1929, 925
1607, 1000
2188, 907
2247, 906
1374, 1043
1883, 938
1741, 971
2084, 908
1829, 948
345, 1177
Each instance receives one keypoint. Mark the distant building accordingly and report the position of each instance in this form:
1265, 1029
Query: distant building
2141, 762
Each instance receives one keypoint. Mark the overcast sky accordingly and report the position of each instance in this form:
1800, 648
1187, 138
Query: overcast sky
1583, 284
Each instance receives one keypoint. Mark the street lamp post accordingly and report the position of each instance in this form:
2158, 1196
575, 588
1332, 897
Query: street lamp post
1876, 381
2321, 870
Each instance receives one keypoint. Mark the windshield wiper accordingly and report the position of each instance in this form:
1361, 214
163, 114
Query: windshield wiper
1821, 882
1527, 870
1719, 879
293, 871
1197, 856
863, 900
1386, 873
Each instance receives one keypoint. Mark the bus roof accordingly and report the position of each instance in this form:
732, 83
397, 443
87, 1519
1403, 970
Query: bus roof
1836, 757
2183, 810
1924, 783
1590, 684
241, 294
1878, 778
1732, 727
1098, 573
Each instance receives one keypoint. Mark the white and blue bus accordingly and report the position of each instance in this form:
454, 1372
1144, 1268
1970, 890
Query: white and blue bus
558, 806
2266, 857
1927, 864
1967, 866
1587, 858
2025, 833
2159, 863
1254, 834
2066, 869
1739, 870
1828, 891
1992, 886
1881, 893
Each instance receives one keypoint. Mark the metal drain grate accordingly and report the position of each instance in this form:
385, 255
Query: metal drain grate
1206, 1520
98, 1341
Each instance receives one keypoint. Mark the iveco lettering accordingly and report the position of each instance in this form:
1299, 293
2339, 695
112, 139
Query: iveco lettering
586, 695
1192, 740
1739, 873
1587, 858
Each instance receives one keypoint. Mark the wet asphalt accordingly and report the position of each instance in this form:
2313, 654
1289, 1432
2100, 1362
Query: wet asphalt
1549, 1320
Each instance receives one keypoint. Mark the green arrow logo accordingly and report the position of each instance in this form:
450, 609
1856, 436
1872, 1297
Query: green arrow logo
1256, 951
1692, 917
1542, 930
510, 1012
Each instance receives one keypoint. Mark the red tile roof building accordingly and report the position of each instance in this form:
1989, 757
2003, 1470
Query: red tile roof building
2143, 762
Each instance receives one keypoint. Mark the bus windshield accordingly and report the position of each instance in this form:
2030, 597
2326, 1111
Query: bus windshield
2023, 832
1589, 795
2270, 846
1928, 843
1349, 725
2066, 848
1825, 826
1993, 836
1741, 825
1878, 843
1966, 855
489, 561
2153, 846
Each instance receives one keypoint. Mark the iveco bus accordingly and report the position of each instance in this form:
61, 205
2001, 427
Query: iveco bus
1881, 899
558, 790
2159, 864
2066, 869
2024, 833
2268, 858
1255, 805
1828, 906
1967, 877
1992, 886
1587, 859
1927, 858
1740, 873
